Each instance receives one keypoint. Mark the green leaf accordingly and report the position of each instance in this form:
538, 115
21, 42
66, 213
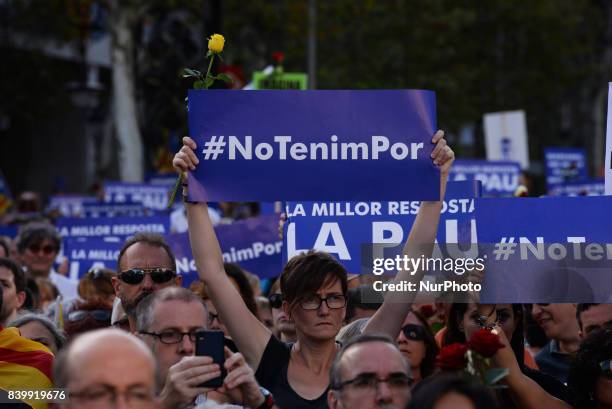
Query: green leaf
494, 375
208, 82
188, 72
199, 85
209, 54
225, 78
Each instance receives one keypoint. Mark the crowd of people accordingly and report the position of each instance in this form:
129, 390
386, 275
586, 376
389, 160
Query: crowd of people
128, 338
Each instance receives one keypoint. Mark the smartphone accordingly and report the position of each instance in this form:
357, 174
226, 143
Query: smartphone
210, 343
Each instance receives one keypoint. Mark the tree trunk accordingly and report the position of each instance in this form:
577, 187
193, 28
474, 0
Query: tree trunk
125, 114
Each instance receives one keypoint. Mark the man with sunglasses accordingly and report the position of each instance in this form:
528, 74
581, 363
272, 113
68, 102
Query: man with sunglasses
369, 372
146, 264
168, 322
37, 247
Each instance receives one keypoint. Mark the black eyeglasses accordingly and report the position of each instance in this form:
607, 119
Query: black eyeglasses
136, 275
370, 381
414, 332
276, 300
173, 337
313, 302
98, 315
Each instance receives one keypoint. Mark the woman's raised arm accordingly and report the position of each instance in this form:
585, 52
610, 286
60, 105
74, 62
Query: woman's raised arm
390, 316
249, 334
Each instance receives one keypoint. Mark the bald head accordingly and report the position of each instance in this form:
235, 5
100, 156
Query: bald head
107, 359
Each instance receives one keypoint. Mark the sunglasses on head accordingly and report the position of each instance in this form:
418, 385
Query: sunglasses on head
136, 275
276, 300
414, 332
36, 248
98, 315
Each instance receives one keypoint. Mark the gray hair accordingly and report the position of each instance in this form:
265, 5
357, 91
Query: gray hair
144, 309
334, 370
58, 335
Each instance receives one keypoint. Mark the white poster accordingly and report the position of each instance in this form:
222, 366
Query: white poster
506, 137
609, 144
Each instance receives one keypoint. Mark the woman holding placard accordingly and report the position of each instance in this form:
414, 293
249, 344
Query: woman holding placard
314, 287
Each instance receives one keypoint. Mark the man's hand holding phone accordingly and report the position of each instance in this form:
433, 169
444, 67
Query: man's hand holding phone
184, 378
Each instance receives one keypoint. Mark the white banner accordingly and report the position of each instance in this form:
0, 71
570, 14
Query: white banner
506, 137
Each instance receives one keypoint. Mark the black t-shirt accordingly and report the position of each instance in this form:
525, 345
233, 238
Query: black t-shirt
272, 375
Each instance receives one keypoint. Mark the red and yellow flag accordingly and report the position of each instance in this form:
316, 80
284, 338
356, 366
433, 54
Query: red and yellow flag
24, 364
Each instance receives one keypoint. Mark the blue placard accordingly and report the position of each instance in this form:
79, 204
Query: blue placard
113, 226
588, 187
151, 196
86, 253
499, 178
162, 179
9, 231
252, 243
70, 205
342, 228
546, 249
103, 209
563, 165
313, 145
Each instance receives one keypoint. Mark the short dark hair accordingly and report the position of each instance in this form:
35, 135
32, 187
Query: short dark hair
580, 308
585, 370
151, 239
18, 275
432, 389
334, 370
304, 274
36, 232
144, 309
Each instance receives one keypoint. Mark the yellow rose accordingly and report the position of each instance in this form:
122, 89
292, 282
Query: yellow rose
216, 43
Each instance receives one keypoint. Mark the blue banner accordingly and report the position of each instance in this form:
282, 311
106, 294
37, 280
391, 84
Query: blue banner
498, 178
86, 253
252, 243
313, 145
564, 165
103, 209
162, 179
70, 205
9, 231
588, 187
546, 249
342, 228
113, 226
150, 196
